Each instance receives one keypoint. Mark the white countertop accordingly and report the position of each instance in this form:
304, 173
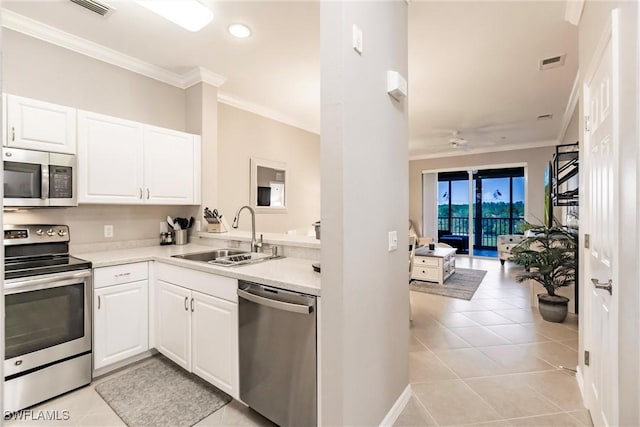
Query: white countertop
269, 238
293, 274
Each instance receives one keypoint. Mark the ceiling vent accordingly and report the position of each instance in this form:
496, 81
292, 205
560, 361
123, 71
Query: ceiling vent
544, 117
94, 6
552, 62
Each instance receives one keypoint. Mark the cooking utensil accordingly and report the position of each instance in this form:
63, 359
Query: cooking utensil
191, 221
170, 221
184, 223
176, 224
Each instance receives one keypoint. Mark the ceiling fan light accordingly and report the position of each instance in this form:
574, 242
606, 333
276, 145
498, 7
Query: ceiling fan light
189, 14
240, 31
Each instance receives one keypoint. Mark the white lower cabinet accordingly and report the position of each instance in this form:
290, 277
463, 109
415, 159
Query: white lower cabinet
214, 348
198, 331
173, 328
121, 319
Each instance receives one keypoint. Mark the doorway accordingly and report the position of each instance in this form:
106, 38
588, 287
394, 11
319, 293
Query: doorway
475, 206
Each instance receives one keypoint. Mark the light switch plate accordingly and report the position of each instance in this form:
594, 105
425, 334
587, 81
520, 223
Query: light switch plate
393, 240
357, 39
108, 231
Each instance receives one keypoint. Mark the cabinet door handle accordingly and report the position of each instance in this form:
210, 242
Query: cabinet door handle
185, 303
98, 302
123, 274
148, 194
13, 133
192, 308
141, 192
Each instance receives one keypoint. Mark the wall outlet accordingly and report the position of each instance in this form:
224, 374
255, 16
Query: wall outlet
198, 225
393, 240
108, 231
164, 227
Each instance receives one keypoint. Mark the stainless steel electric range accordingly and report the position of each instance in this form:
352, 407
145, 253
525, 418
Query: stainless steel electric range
47, 315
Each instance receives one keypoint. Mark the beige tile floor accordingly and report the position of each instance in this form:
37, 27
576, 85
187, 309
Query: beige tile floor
87, 409
492, 360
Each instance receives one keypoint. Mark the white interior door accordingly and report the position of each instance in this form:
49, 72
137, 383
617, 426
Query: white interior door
600, 258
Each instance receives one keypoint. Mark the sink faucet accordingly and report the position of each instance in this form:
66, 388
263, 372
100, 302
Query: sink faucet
255, 245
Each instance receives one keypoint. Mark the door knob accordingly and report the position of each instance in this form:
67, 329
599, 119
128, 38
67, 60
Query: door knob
606, 286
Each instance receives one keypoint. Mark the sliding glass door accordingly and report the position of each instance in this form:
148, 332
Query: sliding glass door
475, 207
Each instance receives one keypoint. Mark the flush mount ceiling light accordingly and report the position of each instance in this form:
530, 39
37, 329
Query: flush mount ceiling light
240, 31
189, 14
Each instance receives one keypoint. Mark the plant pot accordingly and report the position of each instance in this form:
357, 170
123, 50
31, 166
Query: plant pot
553, 308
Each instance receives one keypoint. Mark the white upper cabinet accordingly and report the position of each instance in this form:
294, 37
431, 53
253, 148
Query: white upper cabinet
110, 160
169, 161
125, 162
38, 125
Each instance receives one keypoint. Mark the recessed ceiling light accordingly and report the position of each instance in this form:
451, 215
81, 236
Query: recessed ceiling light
189, 14
240, 31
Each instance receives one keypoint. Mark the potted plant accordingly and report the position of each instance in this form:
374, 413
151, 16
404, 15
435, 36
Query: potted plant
548, 255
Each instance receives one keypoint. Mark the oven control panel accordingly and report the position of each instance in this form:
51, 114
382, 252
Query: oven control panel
15, 234
35, 233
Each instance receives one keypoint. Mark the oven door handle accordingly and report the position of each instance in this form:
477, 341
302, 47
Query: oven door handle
35, 283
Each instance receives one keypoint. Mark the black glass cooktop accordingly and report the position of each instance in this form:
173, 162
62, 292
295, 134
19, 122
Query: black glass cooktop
34, 266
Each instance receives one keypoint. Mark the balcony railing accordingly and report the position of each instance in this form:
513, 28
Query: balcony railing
491, 228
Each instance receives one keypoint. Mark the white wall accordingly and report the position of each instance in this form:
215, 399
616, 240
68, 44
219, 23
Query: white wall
595, 16
365, 293
243, 135
36, 69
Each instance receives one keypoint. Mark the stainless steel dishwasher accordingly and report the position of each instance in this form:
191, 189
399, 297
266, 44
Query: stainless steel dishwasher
278, 353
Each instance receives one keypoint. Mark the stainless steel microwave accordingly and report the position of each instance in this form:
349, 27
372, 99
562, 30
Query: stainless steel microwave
38, 178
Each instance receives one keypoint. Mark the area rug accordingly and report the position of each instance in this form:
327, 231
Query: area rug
161, 393
462, 284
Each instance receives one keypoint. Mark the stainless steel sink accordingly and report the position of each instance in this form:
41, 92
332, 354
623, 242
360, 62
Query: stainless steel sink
210, 255
242, 259
228, 257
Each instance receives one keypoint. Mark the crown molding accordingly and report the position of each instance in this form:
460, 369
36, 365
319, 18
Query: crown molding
268, 113
201, 75
573, 11
572, 103
523, 146
36, 29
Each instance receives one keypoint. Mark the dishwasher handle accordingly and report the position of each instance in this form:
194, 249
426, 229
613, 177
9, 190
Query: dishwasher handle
278, 305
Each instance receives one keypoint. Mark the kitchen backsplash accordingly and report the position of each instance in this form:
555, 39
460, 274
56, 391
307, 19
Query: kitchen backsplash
132, 225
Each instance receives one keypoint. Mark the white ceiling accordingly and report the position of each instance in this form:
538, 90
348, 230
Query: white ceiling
473, 66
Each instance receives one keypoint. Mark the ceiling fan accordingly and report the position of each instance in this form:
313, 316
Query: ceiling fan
459, 142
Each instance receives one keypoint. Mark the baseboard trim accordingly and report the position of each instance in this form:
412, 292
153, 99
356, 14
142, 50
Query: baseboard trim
397, 407
100, 372
580, 380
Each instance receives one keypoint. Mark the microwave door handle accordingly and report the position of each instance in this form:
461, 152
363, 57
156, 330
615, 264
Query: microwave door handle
45, 182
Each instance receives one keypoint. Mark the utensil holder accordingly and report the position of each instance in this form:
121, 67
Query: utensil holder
181, 237
215, 228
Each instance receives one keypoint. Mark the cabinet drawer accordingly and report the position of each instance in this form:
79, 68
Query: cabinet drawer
425, 261
425, 273
117, 274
